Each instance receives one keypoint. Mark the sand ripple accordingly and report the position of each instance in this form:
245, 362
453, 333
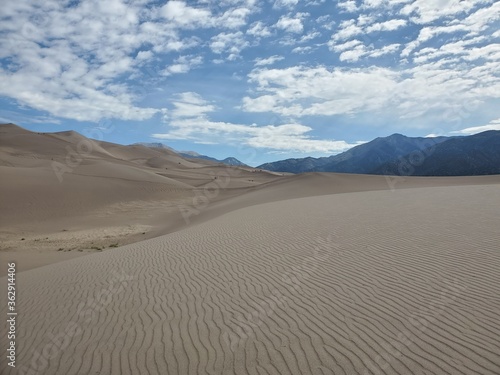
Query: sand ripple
403, 282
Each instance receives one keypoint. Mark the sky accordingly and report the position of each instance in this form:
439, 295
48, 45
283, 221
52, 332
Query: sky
256, 80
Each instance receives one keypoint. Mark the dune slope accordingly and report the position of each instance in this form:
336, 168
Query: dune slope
402, 282
64, 193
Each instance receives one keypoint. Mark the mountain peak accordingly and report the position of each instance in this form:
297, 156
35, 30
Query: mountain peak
398, 154
154, 145
359, 159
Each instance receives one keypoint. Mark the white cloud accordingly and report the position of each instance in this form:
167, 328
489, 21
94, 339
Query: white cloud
354, 54
94, 59
387, 5
427, 11
182, 65
325, 22
234, 18
347, 29
293, 137
385, 50
353, 50
343, 46
300, 91
144, 55
348, 6
390, 25
232, 43
481, 18
309, 36
493, 125
285, 3
262, 103
427, 33
190, 104
268, 61
363, 25
71, 61
488, 52
365, 19
287, 137
258, 29
185, 16
189, 121
291, 25
314, 3
302, 50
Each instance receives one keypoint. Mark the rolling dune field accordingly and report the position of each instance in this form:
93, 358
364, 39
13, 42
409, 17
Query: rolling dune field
367, 282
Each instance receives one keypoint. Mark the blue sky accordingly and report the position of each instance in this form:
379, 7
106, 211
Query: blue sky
257, 80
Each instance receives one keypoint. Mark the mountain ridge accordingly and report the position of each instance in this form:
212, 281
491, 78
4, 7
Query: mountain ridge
398, 154
477, 154
359, 159
194, 155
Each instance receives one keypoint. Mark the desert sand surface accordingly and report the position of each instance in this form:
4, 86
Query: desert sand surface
63, 195
62, 192
392, 282
138, 261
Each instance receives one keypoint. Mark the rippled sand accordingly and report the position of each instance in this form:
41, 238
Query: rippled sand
367, 282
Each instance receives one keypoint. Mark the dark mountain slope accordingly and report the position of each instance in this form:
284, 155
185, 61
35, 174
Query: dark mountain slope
477, 154
360, 159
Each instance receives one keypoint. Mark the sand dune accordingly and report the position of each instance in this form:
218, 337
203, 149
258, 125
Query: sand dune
402, 282
62, 192
268, 273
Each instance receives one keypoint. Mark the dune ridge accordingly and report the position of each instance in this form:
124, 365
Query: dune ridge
60, 192
402, 282
63, 193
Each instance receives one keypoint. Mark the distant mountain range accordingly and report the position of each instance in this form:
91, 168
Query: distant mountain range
195, 155
477, 154
400, 155
228, 161
155, 145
